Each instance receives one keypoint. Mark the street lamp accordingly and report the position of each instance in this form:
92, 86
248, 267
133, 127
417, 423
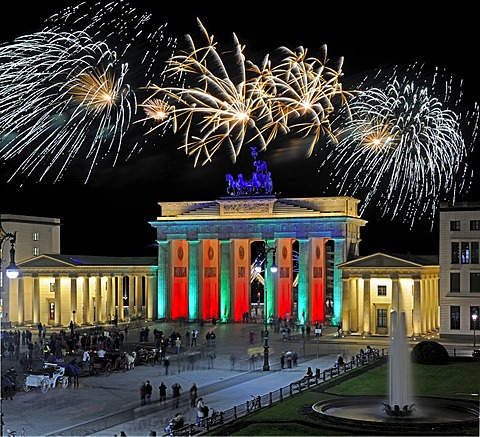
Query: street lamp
12, 273
263, 260
474, 319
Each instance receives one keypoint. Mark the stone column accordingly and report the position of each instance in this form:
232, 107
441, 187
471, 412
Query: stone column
396, 298
346, 304
131, 295
21, 301
417, 307
366, 305
73, 297
163, 280
225, 310
138, 295
58, 302
98, 299
86, 300
152, 302
110, 299
120, 310
193, 288
36, 299
304, 262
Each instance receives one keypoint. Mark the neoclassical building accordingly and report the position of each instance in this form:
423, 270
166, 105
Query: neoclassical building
55, 289
206, 253
374, 285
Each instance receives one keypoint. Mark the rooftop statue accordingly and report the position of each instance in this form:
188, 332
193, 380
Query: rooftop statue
259, 184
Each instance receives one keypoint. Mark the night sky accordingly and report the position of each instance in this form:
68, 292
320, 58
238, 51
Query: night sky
109, 214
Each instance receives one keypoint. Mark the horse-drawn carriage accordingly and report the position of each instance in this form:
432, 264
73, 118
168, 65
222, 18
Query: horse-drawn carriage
46, 378
101, 365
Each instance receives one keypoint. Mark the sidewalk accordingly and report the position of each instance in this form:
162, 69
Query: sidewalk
233, 394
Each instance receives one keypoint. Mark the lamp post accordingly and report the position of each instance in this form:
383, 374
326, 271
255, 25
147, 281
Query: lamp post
12, 273
474, 319
273, 268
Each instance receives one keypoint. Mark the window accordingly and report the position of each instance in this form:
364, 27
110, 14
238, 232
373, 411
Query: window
381, 318
454, 225
474, 253
382, 290
465, 252
455, 253
36, 236
475, 225
474, 282
454, 282
36, 251
454, 317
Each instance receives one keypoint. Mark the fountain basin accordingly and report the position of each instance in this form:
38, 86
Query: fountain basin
435, 416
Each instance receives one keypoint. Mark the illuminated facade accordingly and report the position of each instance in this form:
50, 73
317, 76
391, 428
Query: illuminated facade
205, 255
374, 285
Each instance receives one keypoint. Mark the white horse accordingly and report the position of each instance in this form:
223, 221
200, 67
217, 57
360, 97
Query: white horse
131, 360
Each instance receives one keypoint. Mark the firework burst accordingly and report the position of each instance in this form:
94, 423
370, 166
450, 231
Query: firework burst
402, 148
232, 101
68, 91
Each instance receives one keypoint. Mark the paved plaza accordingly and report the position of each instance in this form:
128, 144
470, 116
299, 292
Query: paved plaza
106, 405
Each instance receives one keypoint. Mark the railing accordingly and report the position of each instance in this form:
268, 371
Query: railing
220, 418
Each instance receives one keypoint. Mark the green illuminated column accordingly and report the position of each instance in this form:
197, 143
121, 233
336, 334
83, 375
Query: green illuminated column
225, 285
193, 280
162, 279
339, 257
303, 281
270, 282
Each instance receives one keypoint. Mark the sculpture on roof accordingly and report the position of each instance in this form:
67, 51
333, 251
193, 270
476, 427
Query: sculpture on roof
259, 184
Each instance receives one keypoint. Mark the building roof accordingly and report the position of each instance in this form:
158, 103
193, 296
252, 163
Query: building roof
48, 260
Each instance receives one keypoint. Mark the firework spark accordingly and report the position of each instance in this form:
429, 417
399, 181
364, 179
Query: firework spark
68, 91
246, 103
402, 147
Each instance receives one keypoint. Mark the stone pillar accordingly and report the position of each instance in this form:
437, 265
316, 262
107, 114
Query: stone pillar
73, 297
120, 310
366, 305
98, 300
138, 296
304, 263
110, 299
131, 295
58, 302
86, 300
21, 301
417, 307
346, 298
225, 311
193, 288
163, 280
152, 302
396, 298
36, 300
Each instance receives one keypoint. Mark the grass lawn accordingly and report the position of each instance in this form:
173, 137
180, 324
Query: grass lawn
294, 416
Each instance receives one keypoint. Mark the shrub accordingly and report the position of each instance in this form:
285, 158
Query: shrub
429, 352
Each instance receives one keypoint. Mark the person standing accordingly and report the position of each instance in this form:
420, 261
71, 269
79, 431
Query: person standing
176, 394
166, 363
200, 412
148, 393
163, 392
178, 344
193, 395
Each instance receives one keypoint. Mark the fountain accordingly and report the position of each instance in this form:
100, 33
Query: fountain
400, 414
399, 369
